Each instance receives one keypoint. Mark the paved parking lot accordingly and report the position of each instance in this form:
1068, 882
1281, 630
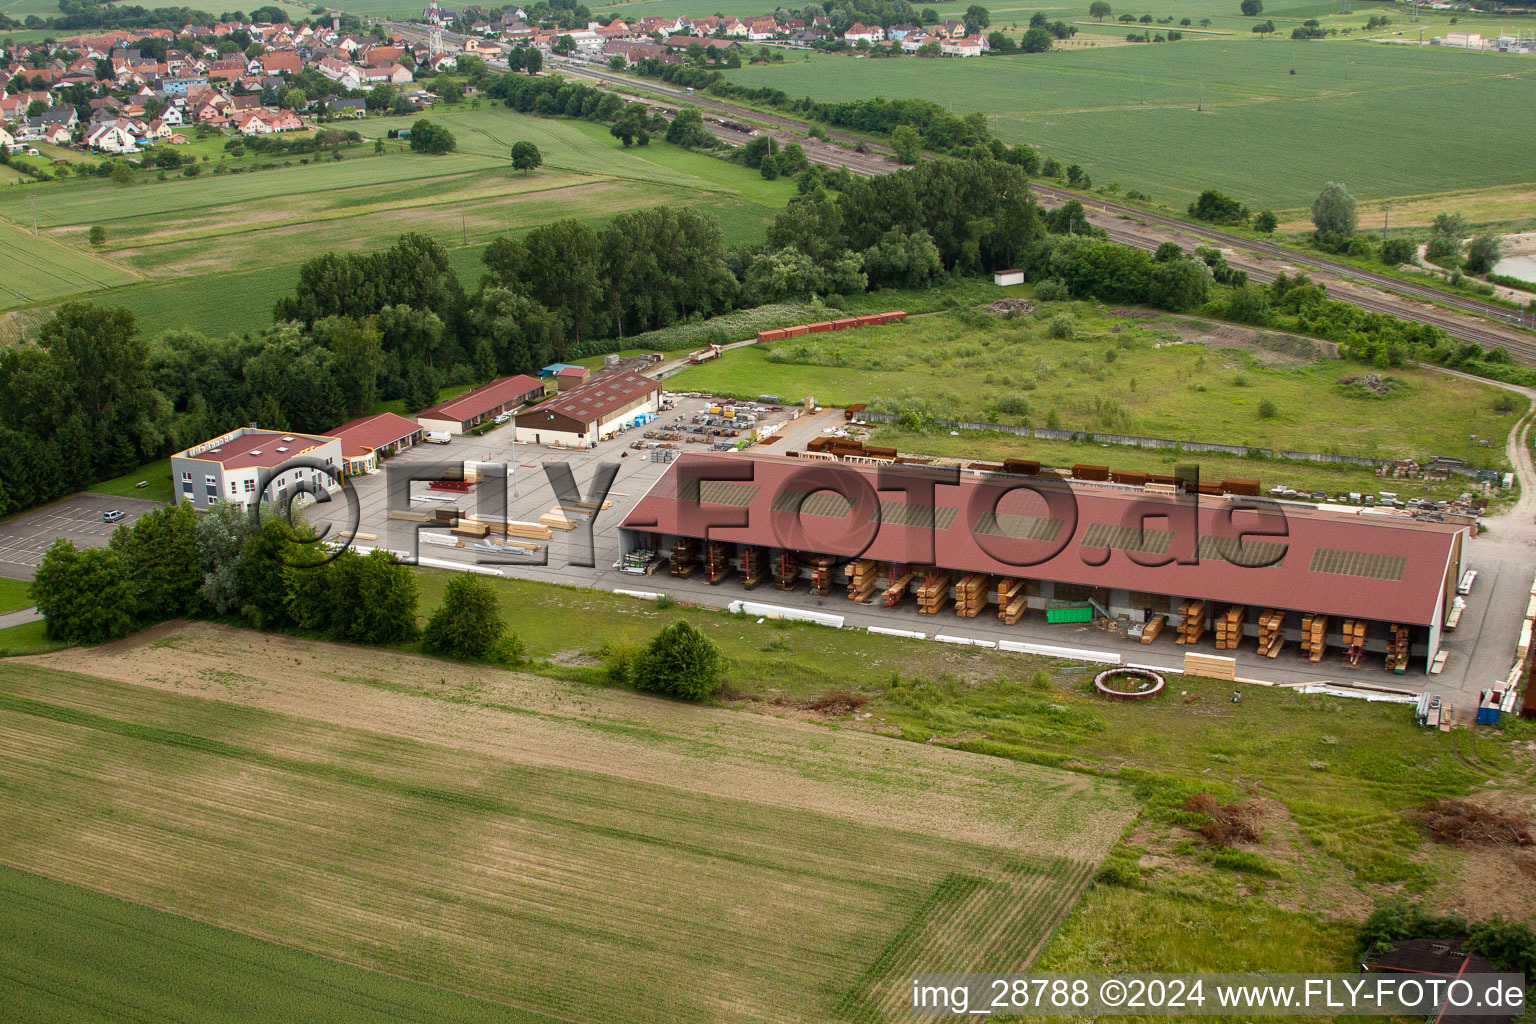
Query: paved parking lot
23, 540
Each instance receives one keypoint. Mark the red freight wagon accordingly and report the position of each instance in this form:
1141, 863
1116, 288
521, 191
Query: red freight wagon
845, 323
795, 332
873, 320
825, 325
896, 317
770, 336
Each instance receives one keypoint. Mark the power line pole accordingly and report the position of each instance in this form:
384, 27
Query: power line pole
1386, 211
34, 214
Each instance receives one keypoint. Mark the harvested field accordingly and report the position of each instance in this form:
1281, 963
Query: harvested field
528, 841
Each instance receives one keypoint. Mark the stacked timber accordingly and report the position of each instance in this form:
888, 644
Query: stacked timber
531, 531
593, 505
971, 595
1314, 636
1397, 648
409, 516
1271, 632
1192, 627
1229, 628
1352, 636
555, 519
1152, 628
934, 593
719, 560
468, 529
754, 567
901, 583
1212, 666
863, 576
822, 569
1011, 602
685, 557
786, 571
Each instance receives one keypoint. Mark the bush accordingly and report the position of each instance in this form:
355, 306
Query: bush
680, 661
1051, 290
1063, 326
1267, 410
1397, 250
468, 625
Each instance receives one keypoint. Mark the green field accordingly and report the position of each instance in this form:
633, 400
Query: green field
531, 842
13, 594
50, 929
1158, 375
156, 475
242, 236
1231, 113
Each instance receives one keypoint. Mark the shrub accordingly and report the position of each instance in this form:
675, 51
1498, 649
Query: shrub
468, 624
1267, 409
1063, 326
1397, 250
680, 661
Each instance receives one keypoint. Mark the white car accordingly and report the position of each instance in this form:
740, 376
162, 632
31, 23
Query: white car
112, 515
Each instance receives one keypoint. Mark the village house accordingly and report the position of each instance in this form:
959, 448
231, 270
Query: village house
858, 31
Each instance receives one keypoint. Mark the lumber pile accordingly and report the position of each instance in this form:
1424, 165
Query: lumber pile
557, 520
1192, 626
529, 531
822, 567
786, 571
1314, 636
934, 593
719, 560
1229, 628
1271, 632
900, 583
410, 517
1352, 636
594, 506
754, 567
1153, 627
862, 576
971, 595
685, 557
1211, 666
1397, 648
469, 529
1011, 602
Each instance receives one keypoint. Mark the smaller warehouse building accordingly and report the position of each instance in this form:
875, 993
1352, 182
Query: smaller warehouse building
579, 417
364, 441
231, 467
461, 415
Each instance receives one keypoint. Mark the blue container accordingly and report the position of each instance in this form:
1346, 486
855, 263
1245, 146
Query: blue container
1487, 716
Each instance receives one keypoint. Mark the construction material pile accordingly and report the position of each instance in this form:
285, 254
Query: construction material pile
1002, 306
1462, 822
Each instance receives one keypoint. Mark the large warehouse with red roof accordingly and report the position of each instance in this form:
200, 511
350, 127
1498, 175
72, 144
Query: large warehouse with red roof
1132, 552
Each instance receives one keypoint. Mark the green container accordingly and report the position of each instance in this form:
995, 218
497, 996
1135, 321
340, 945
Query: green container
1082, 613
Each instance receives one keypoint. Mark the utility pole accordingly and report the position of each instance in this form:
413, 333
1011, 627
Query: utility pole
34, 214
1386, 211
463, 224
1201, 105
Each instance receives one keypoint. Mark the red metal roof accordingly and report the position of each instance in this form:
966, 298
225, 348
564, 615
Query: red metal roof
1383, 568
592, 401
263, 448
371, 432
483, 399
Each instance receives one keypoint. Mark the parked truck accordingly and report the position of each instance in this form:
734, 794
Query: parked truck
704, 355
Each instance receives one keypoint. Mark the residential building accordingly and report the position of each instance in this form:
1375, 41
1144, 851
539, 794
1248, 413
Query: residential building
241, 466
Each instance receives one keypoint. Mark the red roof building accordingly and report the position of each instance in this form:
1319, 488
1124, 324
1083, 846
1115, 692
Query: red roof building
1126, 548
365, 440
459, 415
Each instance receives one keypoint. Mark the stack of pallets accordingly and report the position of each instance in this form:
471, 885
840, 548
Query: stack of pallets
1314, 636
754, 566
934, 593
901, 582
786, 571
971, 595
1011, 602
1352, 636
863, 574
685, 557
1153, 627
822, 569
1271, 632
1398, 643
1192, 627
719, 560
1229, 628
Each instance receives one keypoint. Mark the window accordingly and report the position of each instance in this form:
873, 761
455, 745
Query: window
250, 485
186, 475
234, 488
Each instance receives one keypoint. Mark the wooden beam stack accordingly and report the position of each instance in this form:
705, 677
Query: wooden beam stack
1352, 636
786, 571
1153, 627
1011, 602
557, 520
754, 566
863, 576
934, 593
971, 595
1212, 666
1229, 628
1398, 642
901, 583
685, 557
1192, 627
720, 560
1314, 636
1271, 632
822, 568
